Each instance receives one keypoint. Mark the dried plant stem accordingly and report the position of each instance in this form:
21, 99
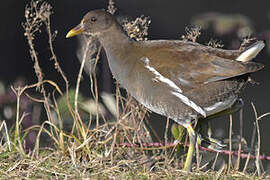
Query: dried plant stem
154, 132
139, 128
117, 92
96, 100
215, 161
96, 86
93, 84
218, 174
252, 145
4, 124
257, 150
77, 115
56, 63
43, 129
80, 76
18, 92
37, 14
230, 145
54, 57
240, 143
166, 138
41, 13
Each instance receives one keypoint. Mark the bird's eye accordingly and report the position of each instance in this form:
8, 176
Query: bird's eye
93, 19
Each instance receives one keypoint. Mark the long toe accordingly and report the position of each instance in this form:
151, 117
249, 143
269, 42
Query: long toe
213, 144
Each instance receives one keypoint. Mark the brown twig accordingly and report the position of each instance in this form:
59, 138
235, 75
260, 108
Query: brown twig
36, 15
51, 37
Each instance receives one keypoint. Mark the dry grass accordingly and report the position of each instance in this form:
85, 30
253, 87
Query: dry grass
52, 164
94, 148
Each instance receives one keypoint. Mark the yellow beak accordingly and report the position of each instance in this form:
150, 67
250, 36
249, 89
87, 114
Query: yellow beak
75, 31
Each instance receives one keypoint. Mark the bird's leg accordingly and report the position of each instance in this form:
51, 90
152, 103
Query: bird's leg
191, 148
209, 141
205, 139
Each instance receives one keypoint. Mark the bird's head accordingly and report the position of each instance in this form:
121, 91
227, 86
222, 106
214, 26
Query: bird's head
93, 23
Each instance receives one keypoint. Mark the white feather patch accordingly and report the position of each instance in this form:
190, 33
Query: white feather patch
176, 90
220, 106
251, 52
159, 76
190, 103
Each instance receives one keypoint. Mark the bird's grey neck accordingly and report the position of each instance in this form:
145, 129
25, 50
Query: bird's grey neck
114, 40
117, 45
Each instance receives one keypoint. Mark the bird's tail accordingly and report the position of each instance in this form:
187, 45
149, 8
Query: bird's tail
251, 52
253, 66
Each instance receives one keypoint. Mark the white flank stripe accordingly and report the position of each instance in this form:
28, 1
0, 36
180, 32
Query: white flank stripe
177, 91
251, 52
190, 103
220, 106
160, 77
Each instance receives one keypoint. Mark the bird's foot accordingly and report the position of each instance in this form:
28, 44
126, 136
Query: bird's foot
212, 143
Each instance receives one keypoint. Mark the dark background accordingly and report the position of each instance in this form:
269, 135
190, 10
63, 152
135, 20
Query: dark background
169, 19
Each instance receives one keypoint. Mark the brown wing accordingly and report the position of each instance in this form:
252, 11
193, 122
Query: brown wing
188, 65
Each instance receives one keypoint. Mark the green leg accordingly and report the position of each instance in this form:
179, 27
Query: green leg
211, 142
191, 149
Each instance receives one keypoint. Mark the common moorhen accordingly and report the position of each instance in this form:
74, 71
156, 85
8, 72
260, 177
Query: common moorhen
181, 80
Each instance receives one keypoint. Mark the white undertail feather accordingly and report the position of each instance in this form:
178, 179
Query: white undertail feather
251, 52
